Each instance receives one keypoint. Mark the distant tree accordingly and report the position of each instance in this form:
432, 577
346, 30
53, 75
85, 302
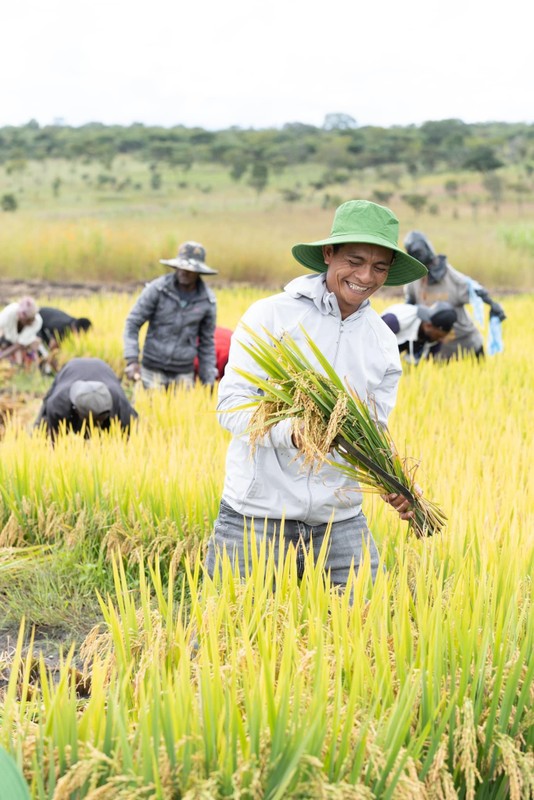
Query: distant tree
494, 186
482, 159
15, 165
155, 180
521, 190
339, 122
452, 187
9, 202
335, 177
393, 174
259, 176
291, 195
56, 186
239, 167
415, 201
382, 197
413, 169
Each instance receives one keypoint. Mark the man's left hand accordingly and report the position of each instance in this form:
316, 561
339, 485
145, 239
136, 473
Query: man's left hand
401, 504
496, 310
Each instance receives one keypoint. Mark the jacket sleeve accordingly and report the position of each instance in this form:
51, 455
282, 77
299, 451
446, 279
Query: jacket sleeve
140, 313
207, 363
28, 334
236, 392
55, 409
409, 294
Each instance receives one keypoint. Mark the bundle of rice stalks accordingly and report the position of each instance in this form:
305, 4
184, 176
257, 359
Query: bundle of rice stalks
327, 414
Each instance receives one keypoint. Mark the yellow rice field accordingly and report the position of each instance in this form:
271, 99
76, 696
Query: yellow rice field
422, 688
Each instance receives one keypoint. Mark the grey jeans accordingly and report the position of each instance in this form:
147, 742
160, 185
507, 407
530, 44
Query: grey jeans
348, 540
155, 380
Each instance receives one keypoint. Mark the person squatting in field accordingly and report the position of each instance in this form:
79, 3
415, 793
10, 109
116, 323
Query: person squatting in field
443, 282
181, 313
20, 323
420, 330
268, 483
85, 393
58, 325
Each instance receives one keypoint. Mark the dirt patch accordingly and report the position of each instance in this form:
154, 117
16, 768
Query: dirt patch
13, 288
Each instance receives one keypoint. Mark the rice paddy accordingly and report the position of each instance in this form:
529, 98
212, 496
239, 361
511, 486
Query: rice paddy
419, 686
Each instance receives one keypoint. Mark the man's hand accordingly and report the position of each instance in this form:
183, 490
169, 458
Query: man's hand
496, 310
401, 504
133, 371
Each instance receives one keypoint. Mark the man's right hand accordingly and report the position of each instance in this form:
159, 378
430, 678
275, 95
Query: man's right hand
133, 371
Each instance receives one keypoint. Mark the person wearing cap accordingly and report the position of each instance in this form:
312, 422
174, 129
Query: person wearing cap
20, 323
85, 392
446, 283
420, 330
269, 484
181, 314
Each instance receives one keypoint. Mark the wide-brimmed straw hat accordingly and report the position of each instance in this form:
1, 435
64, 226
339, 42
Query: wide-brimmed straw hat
191, 257
367, 223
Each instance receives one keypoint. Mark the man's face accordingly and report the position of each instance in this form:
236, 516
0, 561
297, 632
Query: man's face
355, 272
186, 279
434, 334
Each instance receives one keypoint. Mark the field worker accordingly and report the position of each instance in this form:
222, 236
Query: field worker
420, 330
181, 312
222, 349
269, 483
57, 325
85, 391
19, 326
443, 282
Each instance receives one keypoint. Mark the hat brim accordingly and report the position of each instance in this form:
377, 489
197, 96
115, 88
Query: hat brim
189, 264
404, 269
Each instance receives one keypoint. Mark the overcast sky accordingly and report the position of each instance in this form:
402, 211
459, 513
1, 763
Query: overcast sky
215, 64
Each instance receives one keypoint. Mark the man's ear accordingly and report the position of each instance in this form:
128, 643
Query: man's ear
328, 252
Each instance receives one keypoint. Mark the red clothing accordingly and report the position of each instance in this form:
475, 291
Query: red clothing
222, 347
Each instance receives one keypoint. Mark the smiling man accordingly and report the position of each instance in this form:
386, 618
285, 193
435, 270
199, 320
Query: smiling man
270, 484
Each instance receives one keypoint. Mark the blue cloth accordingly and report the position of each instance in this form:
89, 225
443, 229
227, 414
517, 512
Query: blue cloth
476, 301
495, 342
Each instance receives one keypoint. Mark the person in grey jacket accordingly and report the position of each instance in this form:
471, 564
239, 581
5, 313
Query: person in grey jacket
269, 483
181, 315
445, 283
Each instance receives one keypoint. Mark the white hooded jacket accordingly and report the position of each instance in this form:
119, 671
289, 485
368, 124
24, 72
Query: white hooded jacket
271, 481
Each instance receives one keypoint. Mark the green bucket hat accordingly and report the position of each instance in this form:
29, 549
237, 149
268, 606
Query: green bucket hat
368, 223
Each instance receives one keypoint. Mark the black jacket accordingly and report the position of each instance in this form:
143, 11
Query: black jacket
56, 324
57, 406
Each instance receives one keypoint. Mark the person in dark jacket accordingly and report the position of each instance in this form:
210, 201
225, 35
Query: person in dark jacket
57, 324
85, 391
181, 315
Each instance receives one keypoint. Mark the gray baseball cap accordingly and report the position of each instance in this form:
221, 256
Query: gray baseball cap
90, 397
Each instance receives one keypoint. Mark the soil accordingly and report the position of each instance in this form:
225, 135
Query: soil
13, 288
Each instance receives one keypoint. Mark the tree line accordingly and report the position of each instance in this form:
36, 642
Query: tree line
340, 145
